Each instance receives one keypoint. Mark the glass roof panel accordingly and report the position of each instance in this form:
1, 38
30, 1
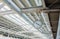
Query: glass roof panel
28, 24
21, 4
4, 7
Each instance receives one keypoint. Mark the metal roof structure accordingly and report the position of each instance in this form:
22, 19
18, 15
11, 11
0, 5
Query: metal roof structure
25, 19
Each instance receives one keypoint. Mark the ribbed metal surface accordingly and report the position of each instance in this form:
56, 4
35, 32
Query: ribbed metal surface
31, 25
18, 5
28, 3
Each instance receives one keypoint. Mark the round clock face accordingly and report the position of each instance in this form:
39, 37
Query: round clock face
37, 24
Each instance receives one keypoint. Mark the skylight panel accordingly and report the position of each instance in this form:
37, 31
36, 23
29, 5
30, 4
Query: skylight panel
5, 8
12, 5
25, 3
32, 2
33, 29
33, 22
21, 4
36, 15
38, 2
20, 21
2, 9
40, 24
15, 18
31, 17
9, 18
25, 24
10, 25
28, 27
1, 3
21, 18
27, 18
28, 3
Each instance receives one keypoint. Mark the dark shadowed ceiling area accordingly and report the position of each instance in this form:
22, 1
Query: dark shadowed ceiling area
53, 16
53, 3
